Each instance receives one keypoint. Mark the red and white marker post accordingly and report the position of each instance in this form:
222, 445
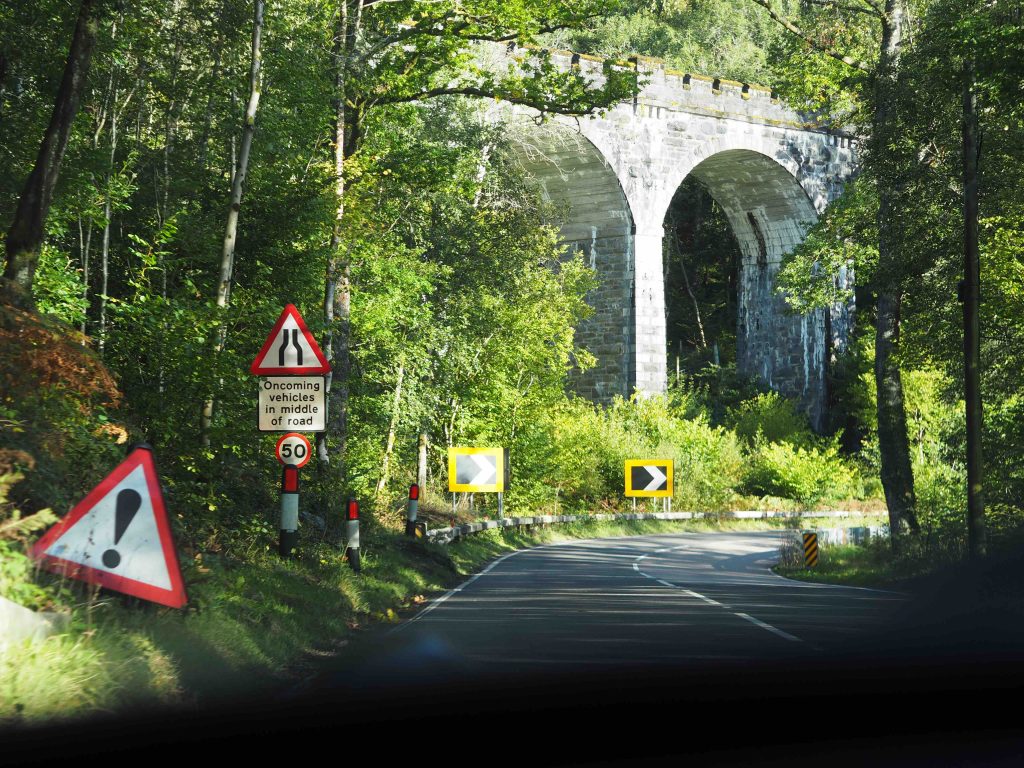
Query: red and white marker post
293, 451
352, 534
289, 530
412, 510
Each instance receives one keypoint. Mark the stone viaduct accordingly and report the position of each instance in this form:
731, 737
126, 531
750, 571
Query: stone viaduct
770, 169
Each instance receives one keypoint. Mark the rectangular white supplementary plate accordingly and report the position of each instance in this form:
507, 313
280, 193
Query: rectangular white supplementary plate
292, 404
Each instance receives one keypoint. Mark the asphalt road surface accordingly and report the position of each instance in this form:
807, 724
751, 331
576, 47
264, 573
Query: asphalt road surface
646, 650
678, 599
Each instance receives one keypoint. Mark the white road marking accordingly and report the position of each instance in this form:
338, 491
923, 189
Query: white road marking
770, 628
636, 567
709, 601
455, 591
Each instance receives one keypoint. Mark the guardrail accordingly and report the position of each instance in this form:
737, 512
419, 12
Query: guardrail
450, 534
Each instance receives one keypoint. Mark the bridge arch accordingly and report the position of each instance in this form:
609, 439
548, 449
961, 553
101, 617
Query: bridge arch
771, 170
769, 213
572, 172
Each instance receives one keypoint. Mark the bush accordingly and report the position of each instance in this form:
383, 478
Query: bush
941, 507
593, 444
773, 417
806, 474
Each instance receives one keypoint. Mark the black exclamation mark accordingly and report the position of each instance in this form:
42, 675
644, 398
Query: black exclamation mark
127, 504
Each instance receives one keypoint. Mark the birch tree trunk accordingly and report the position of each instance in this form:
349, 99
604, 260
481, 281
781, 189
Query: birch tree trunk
331, 445
84, 246
108, 213
421, 462
227, 253
25, 236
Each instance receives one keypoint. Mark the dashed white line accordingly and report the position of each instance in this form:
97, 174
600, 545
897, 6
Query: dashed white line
709, 601
770, 628
636, 567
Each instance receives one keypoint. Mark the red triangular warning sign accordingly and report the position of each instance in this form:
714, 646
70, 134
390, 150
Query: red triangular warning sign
290, 348
119, 536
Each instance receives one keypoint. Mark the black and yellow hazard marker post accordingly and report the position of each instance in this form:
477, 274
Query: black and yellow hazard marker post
810, 549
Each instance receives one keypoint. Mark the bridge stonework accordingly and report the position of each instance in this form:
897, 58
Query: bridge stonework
770, 171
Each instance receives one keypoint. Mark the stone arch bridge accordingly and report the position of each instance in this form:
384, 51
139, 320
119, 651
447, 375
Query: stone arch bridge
770, 170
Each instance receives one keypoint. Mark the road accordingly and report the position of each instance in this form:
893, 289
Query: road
678, 599
646, 650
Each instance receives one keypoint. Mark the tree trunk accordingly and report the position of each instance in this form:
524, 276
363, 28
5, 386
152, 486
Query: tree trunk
25, 237
893, 444
338, 287
84, 245
108, 213
105, 263
396, 408
897, 475
421, 462
972, 324
227, 254
693, 298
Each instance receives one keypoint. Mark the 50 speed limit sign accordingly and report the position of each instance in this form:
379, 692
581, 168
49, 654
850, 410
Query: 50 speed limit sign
293, 448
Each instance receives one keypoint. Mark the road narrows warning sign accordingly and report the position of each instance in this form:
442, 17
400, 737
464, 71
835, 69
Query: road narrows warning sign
290, 349
119, 536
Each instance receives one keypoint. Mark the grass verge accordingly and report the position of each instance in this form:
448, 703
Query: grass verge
873, 564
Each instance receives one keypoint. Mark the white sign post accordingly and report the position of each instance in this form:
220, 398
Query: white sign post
292, 404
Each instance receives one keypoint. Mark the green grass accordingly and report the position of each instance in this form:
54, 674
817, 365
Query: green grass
871, 565
245, 627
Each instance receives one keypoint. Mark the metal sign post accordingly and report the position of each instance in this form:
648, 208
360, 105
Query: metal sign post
477, 470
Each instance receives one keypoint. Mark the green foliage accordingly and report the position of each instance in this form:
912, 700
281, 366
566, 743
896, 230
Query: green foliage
594, 443
807, 474
16, 578
712, 37
770, 417
58, 287
844, 238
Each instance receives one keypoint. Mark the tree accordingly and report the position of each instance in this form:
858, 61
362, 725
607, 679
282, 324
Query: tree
227, 256
961, 53
879, 82
25, 236
389, 53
